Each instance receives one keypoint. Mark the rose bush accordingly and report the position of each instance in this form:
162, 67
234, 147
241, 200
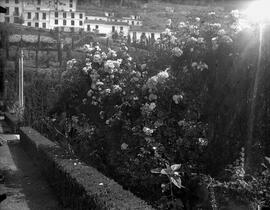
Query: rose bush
186, 104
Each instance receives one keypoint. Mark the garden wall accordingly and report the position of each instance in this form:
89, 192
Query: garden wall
78, 186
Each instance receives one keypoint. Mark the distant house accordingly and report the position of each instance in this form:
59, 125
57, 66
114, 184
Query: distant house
47, 14
136, 33
66, 20
106, 27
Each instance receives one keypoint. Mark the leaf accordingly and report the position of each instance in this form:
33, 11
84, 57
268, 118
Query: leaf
164, 171
175, 167
268, 159
156, 170
176, 180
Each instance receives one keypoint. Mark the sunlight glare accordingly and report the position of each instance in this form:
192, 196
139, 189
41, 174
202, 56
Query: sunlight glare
258, 11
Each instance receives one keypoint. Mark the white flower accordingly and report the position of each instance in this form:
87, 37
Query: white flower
181, 123
148, 131
124, 146
201, 40
152, 97
177, 98
202, 66
235, 13
194, 64
211, 13
97, 58
182, 25
108, 91
198, 19
215, 43
215, 25
177, 52
221, 32
167, 32
116, 88
152, 106
203, 141
89, 93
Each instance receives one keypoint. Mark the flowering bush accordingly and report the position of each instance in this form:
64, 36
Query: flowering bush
127, 118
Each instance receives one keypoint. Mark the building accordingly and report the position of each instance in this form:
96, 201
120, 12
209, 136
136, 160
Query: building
14, 11
63, 14
136, 33
106, 27
50, 19
47, 14
60, 5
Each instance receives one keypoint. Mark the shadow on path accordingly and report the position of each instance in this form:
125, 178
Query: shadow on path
24, 184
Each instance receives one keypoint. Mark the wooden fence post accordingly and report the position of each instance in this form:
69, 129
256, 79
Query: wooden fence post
37, 49
21, 95
7, 44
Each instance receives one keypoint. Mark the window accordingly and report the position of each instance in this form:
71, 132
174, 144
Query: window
7, 1
29, 15
132, 22
70, 1
88, 28
64, 15
113, 28
17, 20
37, 15
16, 11
36, 25
64, 22
43, 15
7, 8
121, 28
56, 14
38, 2
80, 23
72, 15
29, 24
152, 36
56, 22
16, 1
81, 16
70, 5
43, 25
96, 26
72, 22
7, 20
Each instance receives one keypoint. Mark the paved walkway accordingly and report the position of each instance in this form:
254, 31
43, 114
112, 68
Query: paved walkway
24, 185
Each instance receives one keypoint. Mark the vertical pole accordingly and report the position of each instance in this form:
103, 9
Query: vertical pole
21, 101
37, 49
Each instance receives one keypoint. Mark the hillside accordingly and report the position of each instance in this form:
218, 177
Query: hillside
156, 13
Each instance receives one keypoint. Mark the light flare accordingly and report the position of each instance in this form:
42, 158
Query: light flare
258, 11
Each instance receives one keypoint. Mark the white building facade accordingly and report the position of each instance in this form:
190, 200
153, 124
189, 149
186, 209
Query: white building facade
105, 27
48, 14
14, 11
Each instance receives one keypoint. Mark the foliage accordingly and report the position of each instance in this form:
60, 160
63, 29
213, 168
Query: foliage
185, 104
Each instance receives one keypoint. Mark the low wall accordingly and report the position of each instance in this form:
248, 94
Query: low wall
12, 121
78, 186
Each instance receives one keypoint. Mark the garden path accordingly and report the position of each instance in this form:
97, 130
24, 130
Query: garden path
24, 185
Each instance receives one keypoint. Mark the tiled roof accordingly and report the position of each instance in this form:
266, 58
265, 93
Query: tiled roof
105, 22
146, 29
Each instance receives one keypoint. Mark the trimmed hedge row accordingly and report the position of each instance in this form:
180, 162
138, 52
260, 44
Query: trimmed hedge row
78, 186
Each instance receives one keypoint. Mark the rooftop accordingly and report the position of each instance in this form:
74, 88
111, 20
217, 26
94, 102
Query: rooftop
147, 29
105, 22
